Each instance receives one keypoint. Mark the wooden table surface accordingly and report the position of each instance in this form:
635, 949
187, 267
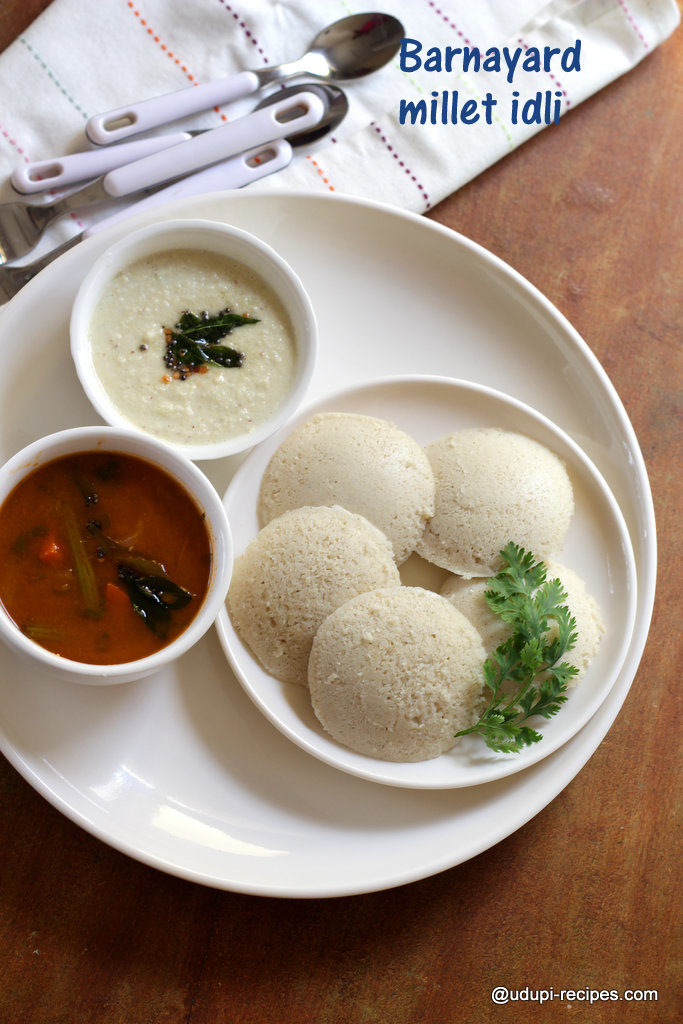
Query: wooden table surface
582, 896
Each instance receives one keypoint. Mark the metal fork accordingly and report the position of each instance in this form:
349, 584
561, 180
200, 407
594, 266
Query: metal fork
22, 224
23, 220
233, 173
305, 112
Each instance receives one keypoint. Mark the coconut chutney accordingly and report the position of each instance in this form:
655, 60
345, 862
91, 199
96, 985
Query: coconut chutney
129, 347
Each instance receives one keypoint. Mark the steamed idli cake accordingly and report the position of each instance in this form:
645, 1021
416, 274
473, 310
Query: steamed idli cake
468, 597
492, 487
364, 464
396, 673
296, 571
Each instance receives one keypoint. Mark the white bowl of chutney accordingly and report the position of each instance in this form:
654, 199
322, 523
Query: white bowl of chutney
159, 343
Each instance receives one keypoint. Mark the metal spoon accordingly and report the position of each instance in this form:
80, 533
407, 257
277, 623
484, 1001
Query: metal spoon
32, 179
249, 166
348, 49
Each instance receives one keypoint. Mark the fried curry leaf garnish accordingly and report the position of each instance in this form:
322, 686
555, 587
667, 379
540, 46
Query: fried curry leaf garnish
153, 598
524, 674
193, 343
152, 594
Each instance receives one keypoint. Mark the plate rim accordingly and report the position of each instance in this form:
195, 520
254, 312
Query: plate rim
646, 584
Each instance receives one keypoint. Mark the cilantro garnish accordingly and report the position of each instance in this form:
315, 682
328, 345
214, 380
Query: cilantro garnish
524, 674
193, 343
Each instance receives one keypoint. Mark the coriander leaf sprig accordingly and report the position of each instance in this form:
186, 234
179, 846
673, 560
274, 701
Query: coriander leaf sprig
524, 674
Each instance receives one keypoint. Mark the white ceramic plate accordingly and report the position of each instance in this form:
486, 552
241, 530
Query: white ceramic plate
182, 771
597, 546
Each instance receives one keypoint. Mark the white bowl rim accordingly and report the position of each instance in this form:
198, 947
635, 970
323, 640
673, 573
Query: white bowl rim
115, 257
75, 439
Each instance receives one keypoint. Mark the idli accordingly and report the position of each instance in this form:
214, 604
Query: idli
396, 673
296, 571
468, 597
492, 487
364, 464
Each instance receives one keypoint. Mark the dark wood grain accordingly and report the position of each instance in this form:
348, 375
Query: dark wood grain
585, 894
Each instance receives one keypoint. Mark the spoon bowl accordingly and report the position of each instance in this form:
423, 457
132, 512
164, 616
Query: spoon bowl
357, 45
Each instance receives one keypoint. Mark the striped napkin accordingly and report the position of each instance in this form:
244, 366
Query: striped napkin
86, 56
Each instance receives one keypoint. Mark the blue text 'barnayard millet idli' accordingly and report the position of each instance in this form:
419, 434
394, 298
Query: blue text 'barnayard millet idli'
493, 486
294, 573
365, 464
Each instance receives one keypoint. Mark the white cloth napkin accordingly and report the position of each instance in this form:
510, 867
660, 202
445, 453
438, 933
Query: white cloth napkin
86, 56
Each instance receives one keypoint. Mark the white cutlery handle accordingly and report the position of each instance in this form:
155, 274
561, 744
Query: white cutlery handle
233, 173
139, 117
67, 170
296, 113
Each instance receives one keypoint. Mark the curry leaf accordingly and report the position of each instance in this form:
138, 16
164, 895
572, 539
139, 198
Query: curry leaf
211, 329
153, 598
192, 343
